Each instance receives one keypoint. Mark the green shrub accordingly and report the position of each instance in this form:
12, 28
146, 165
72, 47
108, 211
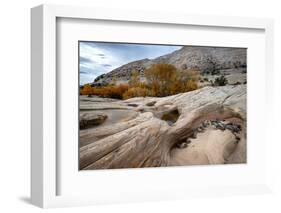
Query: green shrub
220, 81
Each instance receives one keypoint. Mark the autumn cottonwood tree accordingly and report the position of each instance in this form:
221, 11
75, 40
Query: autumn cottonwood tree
161, 78
165, 79
136, 87
135, 79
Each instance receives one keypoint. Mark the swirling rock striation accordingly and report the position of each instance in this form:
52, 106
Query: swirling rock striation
205, 126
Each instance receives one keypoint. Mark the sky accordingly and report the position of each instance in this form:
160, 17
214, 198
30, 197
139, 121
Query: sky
97, 58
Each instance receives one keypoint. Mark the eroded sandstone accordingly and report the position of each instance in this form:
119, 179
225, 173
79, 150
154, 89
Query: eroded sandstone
168, 131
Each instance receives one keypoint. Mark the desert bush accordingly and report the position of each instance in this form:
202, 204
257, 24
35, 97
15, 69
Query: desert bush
86, 90
135, 79
186, 81
213, 65
190, 86
136, 92
111, 91
220, 81
183, 86
165, 79
160, 78
177, 87
154, 88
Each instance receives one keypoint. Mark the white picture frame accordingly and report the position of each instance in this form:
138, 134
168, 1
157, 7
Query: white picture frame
44, 153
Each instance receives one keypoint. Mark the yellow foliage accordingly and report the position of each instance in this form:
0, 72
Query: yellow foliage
165, 79
86, 90
135, 79
161, 77
111, 91
191, 85
161, 72
177, 87
162, 80
136, 92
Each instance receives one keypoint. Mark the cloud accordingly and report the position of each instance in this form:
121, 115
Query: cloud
106, 65
97, 58
84, 60
83, 72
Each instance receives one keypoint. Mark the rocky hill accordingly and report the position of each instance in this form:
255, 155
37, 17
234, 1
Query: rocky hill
208, 60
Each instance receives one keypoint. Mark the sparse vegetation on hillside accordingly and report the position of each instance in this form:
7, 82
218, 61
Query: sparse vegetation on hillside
99, 77
213, 66
220, 81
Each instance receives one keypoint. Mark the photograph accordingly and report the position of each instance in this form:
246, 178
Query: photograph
161, 105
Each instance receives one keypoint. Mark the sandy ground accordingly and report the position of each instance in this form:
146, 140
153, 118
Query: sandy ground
210, 147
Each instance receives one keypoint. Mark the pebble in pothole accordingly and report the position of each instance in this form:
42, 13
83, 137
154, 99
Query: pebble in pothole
217, 124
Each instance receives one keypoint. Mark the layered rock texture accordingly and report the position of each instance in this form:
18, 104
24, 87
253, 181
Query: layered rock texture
205, 126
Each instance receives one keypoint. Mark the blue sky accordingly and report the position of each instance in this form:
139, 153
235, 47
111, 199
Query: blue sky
97, 58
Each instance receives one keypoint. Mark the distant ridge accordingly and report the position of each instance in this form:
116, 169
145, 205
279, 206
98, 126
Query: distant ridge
204, 59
